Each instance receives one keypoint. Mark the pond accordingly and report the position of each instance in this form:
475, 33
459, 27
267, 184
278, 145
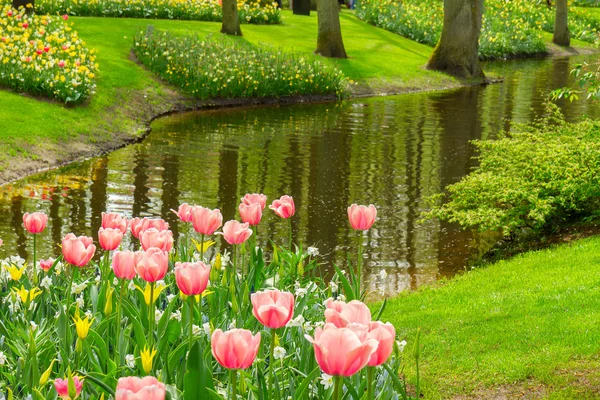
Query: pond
393, 152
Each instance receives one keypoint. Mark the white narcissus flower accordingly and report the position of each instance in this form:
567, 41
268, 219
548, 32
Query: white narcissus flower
46, 283
296, 322
176, 315
401, 345
196, 330
130, 360
2, 358
80, 302
312, 251
326, 381
158, 315
279, 353
206, 327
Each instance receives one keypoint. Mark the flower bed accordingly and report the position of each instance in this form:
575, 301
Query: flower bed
509, 28
43, 56
223, 69
250, 11
201, 322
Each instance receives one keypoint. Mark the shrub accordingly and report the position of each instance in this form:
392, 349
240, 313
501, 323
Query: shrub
250, 11
545, 173
207, 68
43, 56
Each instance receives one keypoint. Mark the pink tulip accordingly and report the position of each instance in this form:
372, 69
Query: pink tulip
284, 206
62, 387
114, 221
110, 238
192, 278
1, 242
154, 238
362, 217
206, 221
342, 351
235, 232
250, 213
138, 225
134, 388
255, 198
273, 308
341, 314
46, 264
152, 264
35, 223
78, 251
385, 334
184, 213
236, 348
123, 264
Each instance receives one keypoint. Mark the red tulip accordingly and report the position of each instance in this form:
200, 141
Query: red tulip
78, 251
152, 264
341, 314
154, 238
362, 217
206, 221
342, 351
114, 221
61, 63
109, 238
235, 349
134, 388
250, 213
46, 264
123, 264
65, 17
235, 232
273, 308
385, 334
25, 25
62, 387
35, 223
184, 213
255, 198
192, 278
284, 206
138, 225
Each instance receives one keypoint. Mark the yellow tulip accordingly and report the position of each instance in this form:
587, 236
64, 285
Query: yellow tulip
82, 326
15, 272
27, 295
109, 304
146, 292
147, 356
46, 375
202, 247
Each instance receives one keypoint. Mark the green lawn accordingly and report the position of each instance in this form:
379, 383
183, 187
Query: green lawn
527, 325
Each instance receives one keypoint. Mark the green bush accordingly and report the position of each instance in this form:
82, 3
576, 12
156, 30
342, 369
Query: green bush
587, 3
546, 173
211, 68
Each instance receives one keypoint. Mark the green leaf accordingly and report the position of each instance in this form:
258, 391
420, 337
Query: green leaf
299, 393
198, 378
345, 284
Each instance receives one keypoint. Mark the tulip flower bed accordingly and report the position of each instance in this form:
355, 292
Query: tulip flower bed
196, 322
223, 69
43, 56
509, 28
250, 11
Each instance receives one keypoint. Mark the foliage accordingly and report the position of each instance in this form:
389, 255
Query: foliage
541, 174
509, 29
586, 3
223, 69
587, 76
43, 56
250, 11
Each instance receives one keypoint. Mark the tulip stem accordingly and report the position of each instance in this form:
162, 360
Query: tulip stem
272, 361
290, 229
338, 384
359, 265
151, 316
370, 386
121, 294
191, 298
35, 277
202, 247
233, 383
67, 313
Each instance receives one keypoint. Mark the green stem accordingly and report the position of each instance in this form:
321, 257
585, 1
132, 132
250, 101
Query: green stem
119, 308
233, 383
191, 298
290, 229
67, 314
35, 277
202, 248
234, 266
151, 316
338, 384
272, 362
359, 264
370, 386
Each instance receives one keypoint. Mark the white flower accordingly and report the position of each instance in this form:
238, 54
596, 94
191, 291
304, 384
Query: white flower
341, 297
78, 288
176, 315
158, 315
89, 314
232, 324
401, 345
160, 283
80, 302
130, 360
58, 268
334, 286
170, 297
2, 358
46, 283
206, 327
97, 278
34, 326
296, 322
326, 381
312, 251
131, 285
300, 291
279, 353
116, 281
225, 259
196, 330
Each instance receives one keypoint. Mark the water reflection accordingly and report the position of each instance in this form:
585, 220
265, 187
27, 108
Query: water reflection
393, 152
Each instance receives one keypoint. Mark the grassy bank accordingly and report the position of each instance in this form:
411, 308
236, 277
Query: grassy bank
524, 328
33, 132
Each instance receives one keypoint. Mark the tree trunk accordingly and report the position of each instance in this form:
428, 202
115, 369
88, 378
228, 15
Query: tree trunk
329, 39
231, 20
561, 24
457, 51
23, 3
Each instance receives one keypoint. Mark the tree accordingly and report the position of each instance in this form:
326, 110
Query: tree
562, 36
457, 51
329, 39
231, 20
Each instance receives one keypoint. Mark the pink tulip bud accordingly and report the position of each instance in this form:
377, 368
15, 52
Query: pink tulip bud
250, 213
255, 198
235, 349
36, 222
341, 314
184, 213
138, 225
284, 206
154, 238
109, 238
152, 264
235, 232
62, 387
114, 221
385, 334
273, 308
192, 278
342, 351
134, 388
123, 264
362, 217
46, 264
78, 251
206, 221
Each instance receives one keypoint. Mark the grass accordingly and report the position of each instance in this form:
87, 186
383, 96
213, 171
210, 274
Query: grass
525, 325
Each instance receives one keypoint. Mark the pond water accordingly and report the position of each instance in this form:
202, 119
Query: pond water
393, 152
